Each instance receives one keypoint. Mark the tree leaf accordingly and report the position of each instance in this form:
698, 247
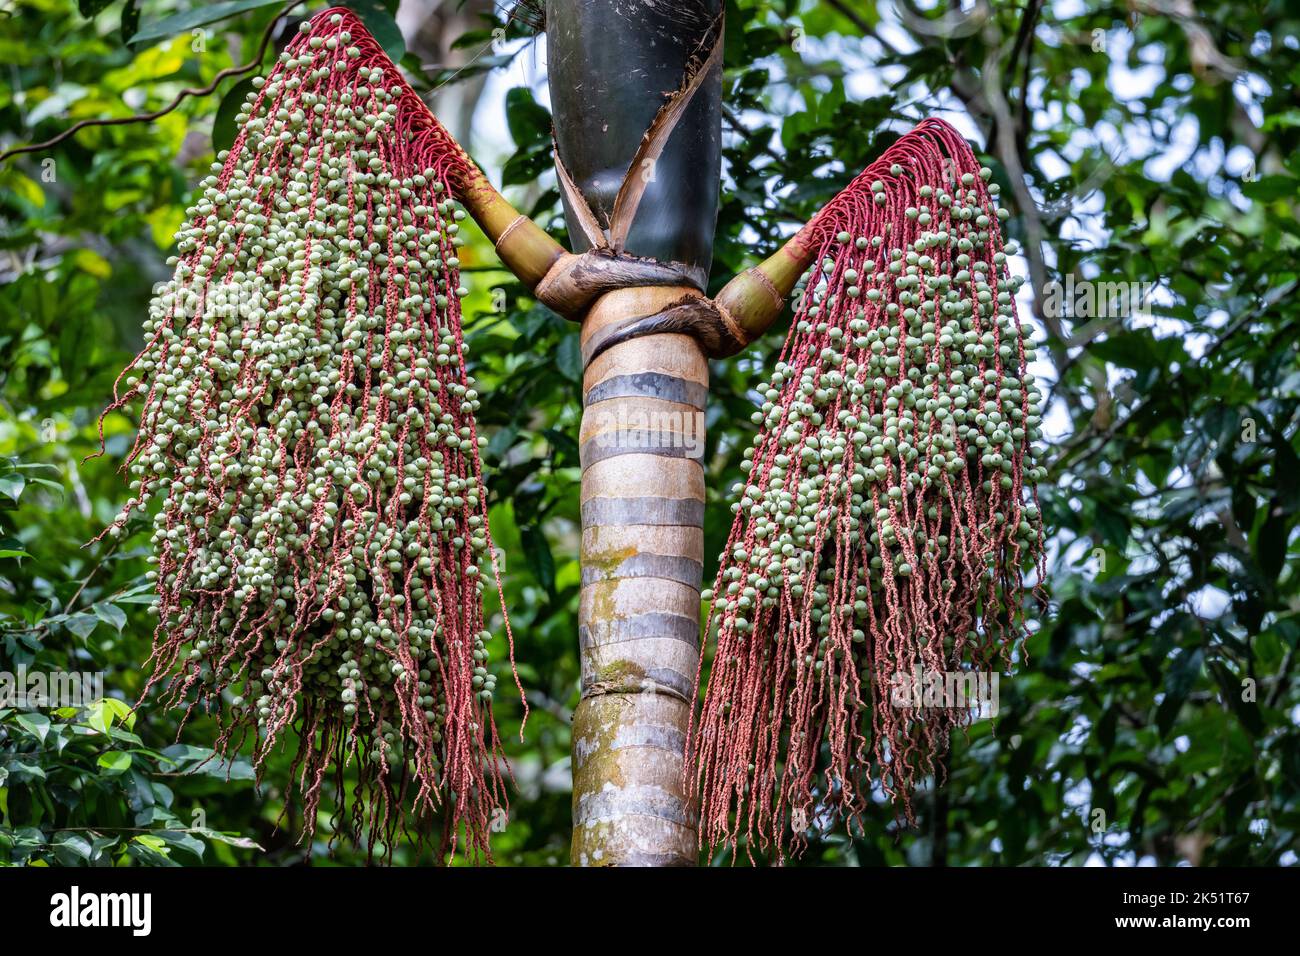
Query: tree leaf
197, 17
72, 848
101, 714
38, 725
110, 614
82, 624
1179, 680
1270, 548
150, 850
89, 8
568, 357
224, 130
130, 20
181, 753
229, 839
528, 121
183, 841
379, 21
12, 484
1271, 187
115, 761
120, 710
537, 552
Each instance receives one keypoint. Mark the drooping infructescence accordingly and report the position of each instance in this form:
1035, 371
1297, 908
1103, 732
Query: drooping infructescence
888, 511
308, 449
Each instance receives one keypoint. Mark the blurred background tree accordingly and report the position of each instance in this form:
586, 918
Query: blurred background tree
1158, 143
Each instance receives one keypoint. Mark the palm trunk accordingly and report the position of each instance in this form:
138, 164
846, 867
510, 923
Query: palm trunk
639, 615
610, 66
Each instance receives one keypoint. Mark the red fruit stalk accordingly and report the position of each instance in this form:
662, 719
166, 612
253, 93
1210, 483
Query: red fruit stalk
888, 510
308, 449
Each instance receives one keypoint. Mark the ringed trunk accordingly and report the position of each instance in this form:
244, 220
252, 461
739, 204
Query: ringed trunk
636, 99
639, 613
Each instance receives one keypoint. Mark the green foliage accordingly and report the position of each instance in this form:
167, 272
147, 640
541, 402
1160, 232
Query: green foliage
1156, 716
78, 787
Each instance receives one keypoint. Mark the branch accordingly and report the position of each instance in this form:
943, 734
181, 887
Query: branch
180, 97
1283, 677
844, 10
1024, 43
731, 119
740, 129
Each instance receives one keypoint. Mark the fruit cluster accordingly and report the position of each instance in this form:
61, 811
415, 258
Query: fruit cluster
307, 445
888, 506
